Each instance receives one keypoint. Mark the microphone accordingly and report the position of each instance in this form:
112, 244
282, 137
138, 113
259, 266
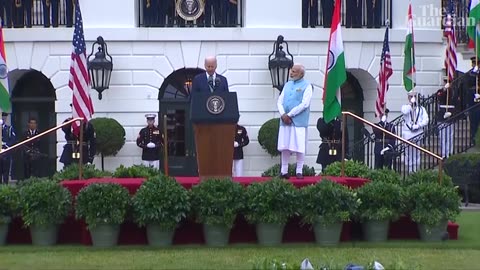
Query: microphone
217, 82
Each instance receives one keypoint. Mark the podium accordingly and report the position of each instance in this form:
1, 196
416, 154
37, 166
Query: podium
214, 117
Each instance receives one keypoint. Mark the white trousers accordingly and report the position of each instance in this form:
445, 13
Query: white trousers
446, 140
412, 155
152, 163
238, 167
286, 157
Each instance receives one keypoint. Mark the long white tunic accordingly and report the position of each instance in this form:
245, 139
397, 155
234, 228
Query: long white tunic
412, 116
291, 137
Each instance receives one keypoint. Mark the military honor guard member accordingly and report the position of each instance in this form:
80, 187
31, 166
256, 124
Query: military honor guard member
354, 14
8, 139
32, 152
446, 107
294, 107
241, 140
71, 150
6, 7
415, 119
384, 144
331, 146
150, 140
327, 12
309, 13
374, 13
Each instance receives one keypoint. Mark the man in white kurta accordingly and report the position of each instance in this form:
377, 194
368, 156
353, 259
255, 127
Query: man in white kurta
294, 107
416, 118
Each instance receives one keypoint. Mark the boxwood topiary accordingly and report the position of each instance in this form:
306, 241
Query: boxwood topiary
385, 175
110, 136
268, 136
380, 201
352, 169
71, 172
44, 203
102, 203
162, 201
217, 201
427, 176
9, 203
136, 171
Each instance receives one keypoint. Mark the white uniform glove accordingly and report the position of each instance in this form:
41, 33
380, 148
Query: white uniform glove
384, 150
477, 96
150, 145
447, 114
415, 127
235, 144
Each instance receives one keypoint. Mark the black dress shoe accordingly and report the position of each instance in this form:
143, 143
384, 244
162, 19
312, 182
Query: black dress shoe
284, 176
299, 176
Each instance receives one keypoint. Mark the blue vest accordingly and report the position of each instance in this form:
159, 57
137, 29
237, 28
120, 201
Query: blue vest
292, 97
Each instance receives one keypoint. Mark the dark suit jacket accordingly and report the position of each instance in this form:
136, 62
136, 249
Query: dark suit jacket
200, 84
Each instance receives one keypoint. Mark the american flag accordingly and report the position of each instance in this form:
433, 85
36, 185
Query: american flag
386, 72
79, 78
451, 51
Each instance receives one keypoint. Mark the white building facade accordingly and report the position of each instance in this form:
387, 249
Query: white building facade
143, 58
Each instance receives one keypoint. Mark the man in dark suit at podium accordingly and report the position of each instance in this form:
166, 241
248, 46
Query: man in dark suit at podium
210, 81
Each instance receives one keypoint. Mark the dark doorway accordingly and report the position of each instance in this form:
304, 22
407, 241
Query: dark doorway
352, 101
33, 95
174, 97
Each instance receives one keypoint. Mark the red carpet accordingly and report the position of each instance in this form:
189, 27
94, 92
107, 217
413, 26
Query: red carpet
189, 232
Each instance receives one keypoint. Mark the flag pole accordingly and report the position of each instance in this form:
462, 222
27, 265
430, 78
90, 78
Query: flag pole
476, 61
449, 43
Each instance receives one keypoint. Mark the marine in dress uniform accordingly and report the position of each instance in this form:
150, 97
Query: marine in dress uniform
327, 12
354, 14
415, 119
71, 149
150, 140
309, 13
8, 139
446, 130
384, 144
331, 146
6, 7
32, 152
241, 140
374, 13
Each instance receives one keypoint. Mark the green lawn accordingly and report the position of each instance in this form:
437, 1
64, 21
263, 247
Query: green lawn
461, 254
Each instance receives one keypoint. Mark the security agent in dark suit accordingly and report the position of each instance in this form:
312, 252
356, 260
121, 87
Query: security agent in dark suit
327, 12
309, 13
150, 12
32, 154
71, 150
210, 81
241, 140
6, 7
8, 139
384, 144
150, 139
354, 14
331, 146
374, 13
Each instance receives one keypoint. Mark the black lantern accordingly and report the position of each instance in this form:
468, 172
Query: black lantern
100, 67
280, 65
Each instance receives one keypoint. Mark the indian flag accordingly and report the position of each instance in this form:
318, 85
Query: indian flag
4, 92
336, 73
409, 60
473, 27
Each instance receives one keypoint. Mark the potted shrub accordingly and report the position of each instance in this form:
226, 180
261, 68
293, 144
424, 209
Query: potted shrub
104, 207
216, 204
71, 173
269, 205
160, 204
136, 171
379, 203
275, 170
433, 205
326, 205
428, 176
43, 206
385, 175
9, 202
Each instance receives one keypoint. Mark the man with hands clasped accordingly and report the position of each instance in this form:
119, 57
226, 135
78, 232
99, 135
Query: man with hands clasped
415, 119
150, 140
